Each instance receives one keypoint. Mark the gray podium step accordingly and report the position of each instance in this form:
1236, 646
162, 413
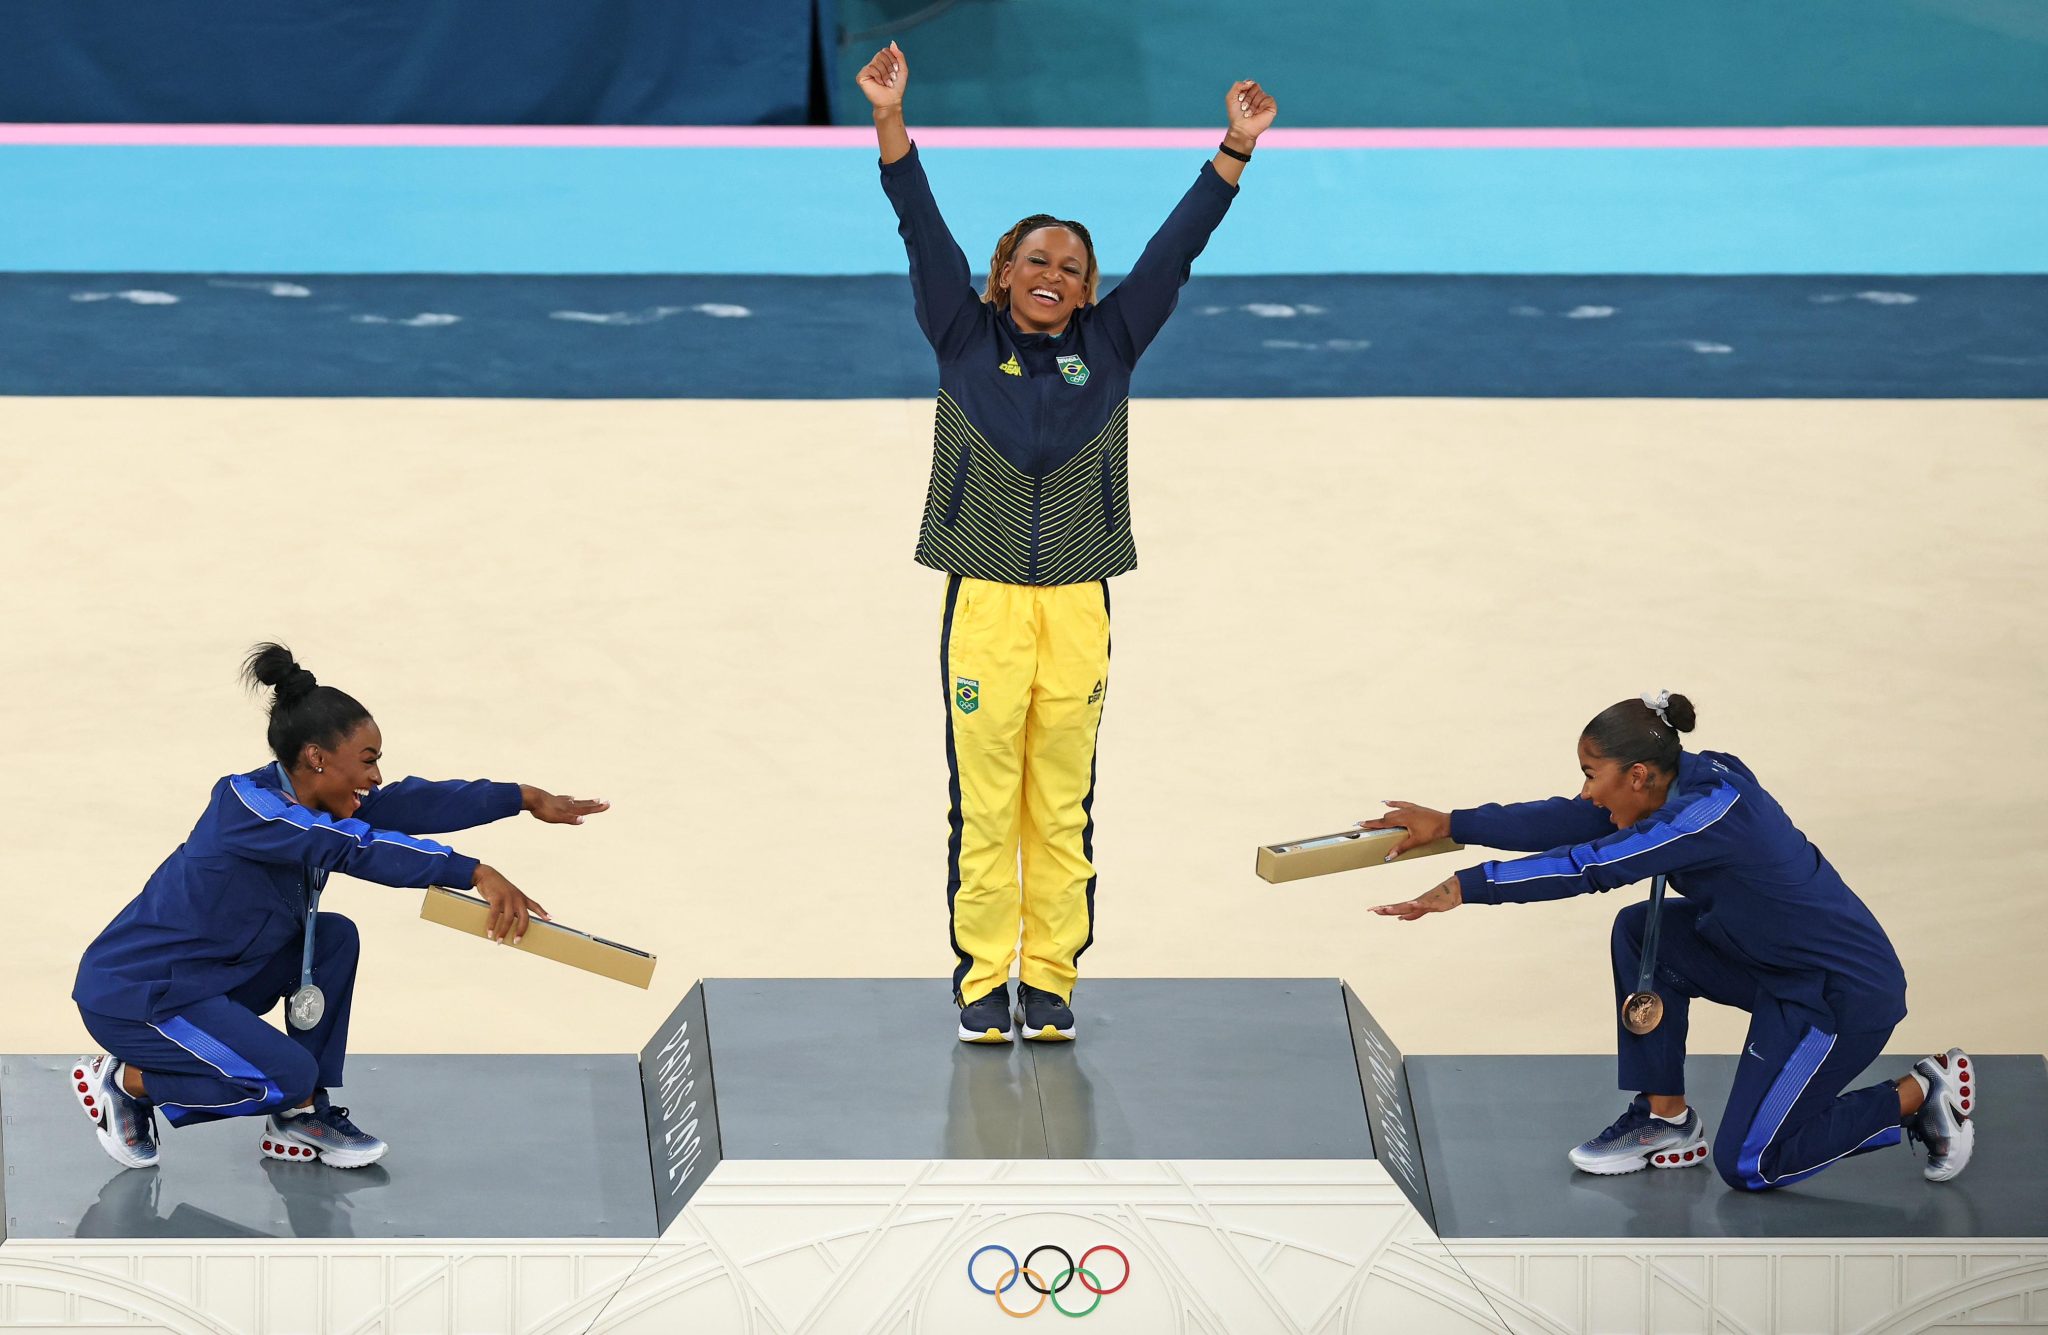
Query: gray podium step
481, 1147
1495, 1131
867, 1068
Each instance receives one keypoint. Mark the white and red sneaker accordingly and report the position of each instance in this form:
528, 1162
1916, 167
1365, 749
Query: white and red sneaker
1944, 1123
323, 1133
125, 1125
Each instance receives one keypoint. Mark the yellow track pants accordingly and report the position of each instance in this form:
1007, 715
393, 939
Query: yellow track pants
1025, 668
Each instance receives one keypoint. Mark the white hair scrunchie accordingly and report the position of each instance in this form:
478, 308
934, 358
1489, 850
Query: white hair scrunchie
1659, 701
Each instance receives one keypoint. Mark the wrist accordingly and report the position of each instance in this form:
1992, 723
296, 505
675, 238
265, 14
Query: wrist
1237, 139
889, 115
529, 797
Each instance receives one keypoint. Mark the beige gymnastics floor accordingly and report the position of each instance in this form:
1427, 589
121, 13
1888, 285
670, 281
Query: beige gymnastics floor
707, 613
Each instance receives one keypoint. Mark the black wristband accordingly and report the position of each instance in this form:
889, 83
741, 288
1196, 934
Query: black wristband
1227, 151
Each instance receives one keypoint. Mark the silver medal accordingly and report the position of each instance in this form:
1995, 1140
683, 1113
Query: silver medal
306, 1006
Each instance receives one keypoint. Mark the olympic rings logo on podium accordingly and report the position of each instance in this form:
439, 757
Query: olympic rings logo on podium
1021, 1271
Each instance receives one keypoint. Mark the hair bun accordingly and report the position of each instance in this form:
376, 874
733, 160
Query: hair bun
297, 684
1680, 713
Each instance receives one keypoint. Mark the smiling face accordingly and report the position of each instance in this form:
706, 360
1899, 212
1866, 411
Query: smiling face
336, 779
1046, 279
1627, 793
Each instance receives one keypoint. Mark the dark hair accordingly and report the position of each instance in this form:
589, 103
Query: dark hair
301, 710
1006, 250
1630, 732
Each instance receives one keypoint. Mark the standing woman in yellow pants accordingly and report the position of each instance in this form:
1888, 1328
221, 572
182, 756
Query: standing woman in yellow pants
1028, 514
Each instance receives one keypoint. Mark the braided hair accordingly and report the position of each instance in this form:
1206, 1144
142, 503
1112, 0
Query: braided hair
1006, 250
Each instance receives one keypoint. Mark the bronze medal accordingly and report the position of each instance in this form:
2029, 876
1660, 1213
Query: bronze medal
1642, 1012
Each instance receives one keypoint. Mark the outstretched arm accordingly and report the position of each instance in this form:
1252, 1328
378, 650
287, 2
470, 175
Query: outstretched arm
941, 284
1135, 310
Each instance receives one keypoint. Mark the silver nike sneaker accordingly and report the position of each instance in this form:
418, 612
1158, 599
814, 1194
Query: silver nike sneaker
1640, 1140
126, 1125
1944, 1123
321, 1132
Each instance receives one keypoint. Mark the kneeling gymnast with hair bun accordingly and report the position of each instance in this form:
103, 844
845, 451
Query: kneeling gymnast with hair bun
1763, 924
177, 985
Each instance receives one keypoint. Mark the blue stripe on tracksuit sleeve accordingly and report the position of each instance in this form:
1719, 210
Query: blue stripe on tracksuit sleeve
265, 826
1688, 833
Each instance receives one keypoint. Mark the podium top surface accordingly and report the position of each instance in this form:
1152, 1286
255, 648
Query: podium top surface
1495, 1131
481, 1147
1165, 1068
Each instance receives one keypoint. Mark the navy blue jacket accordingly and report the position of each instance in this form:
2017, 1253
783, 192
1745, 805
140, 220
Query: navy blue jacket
1768, 899
235, 893
1030, 479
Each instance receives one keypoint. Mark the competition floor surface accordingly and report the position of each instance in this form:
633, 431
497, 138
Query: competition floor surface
705, 611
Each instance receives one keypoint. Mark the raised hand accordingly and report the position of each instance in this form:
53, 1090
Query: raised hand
1424, 826
883, 79
1249, 109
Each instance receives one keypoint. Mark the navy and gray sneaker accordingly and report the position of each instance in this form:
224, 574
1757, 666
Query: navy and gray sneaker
987, 1019
322, 1132
1944, 1123
1046, 1017
1639, 1139
126, 1125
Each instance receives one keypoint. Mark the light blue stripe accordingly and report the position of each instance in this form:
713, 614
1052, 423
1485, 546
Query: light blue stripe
231, 1064
1797, 1073
1696, 814
821, 211
269, 804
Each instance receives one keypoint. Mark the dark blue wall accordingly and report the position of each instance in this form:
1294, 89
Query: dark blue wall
1465, 62
424, 62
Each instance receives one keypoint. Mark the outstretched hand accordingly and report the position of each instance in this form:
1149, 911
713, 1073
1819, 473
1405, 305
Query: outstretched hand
1424, 826
558, 810
1249, 109
883, 79
1442, 899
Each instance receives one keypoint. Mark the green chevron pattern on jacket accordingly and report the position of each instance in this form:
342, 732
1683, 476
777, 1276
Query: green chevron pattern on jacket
986, 519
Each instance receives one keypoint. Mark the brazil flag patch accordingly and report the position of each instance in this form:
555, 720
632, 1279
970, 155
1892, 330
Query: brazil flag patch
1074, 369
967, 694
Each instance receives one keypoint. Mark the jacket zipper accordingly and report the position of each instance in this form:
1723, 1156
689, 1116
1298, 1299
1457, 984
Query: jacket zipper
1038, 479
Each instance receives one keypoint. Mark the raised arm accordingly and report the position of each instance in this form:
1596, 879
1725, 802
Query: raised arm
1137, 308
941, 284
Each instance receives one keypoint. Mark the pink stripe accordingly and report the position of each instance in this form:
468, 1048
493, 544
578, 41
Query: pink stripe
855, 136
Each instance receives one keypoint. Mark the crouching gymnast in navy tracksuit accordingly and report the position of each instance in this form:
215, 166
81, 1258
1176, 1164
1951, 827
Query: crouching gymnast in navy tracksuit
177, 985
1764, 924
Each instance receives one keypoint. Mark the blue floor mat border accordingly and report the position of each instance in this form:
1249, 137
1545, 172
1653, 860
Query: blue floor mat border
784, 337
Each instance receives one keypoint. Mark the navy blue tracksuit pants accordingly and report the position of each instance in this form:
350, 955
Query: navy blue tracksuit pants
221, 1058
1787, 1117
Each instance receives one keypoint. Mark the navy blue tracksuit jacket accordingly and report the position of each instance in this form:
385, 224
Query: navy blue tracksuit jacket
178, 984
1030, 480
1760, 921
